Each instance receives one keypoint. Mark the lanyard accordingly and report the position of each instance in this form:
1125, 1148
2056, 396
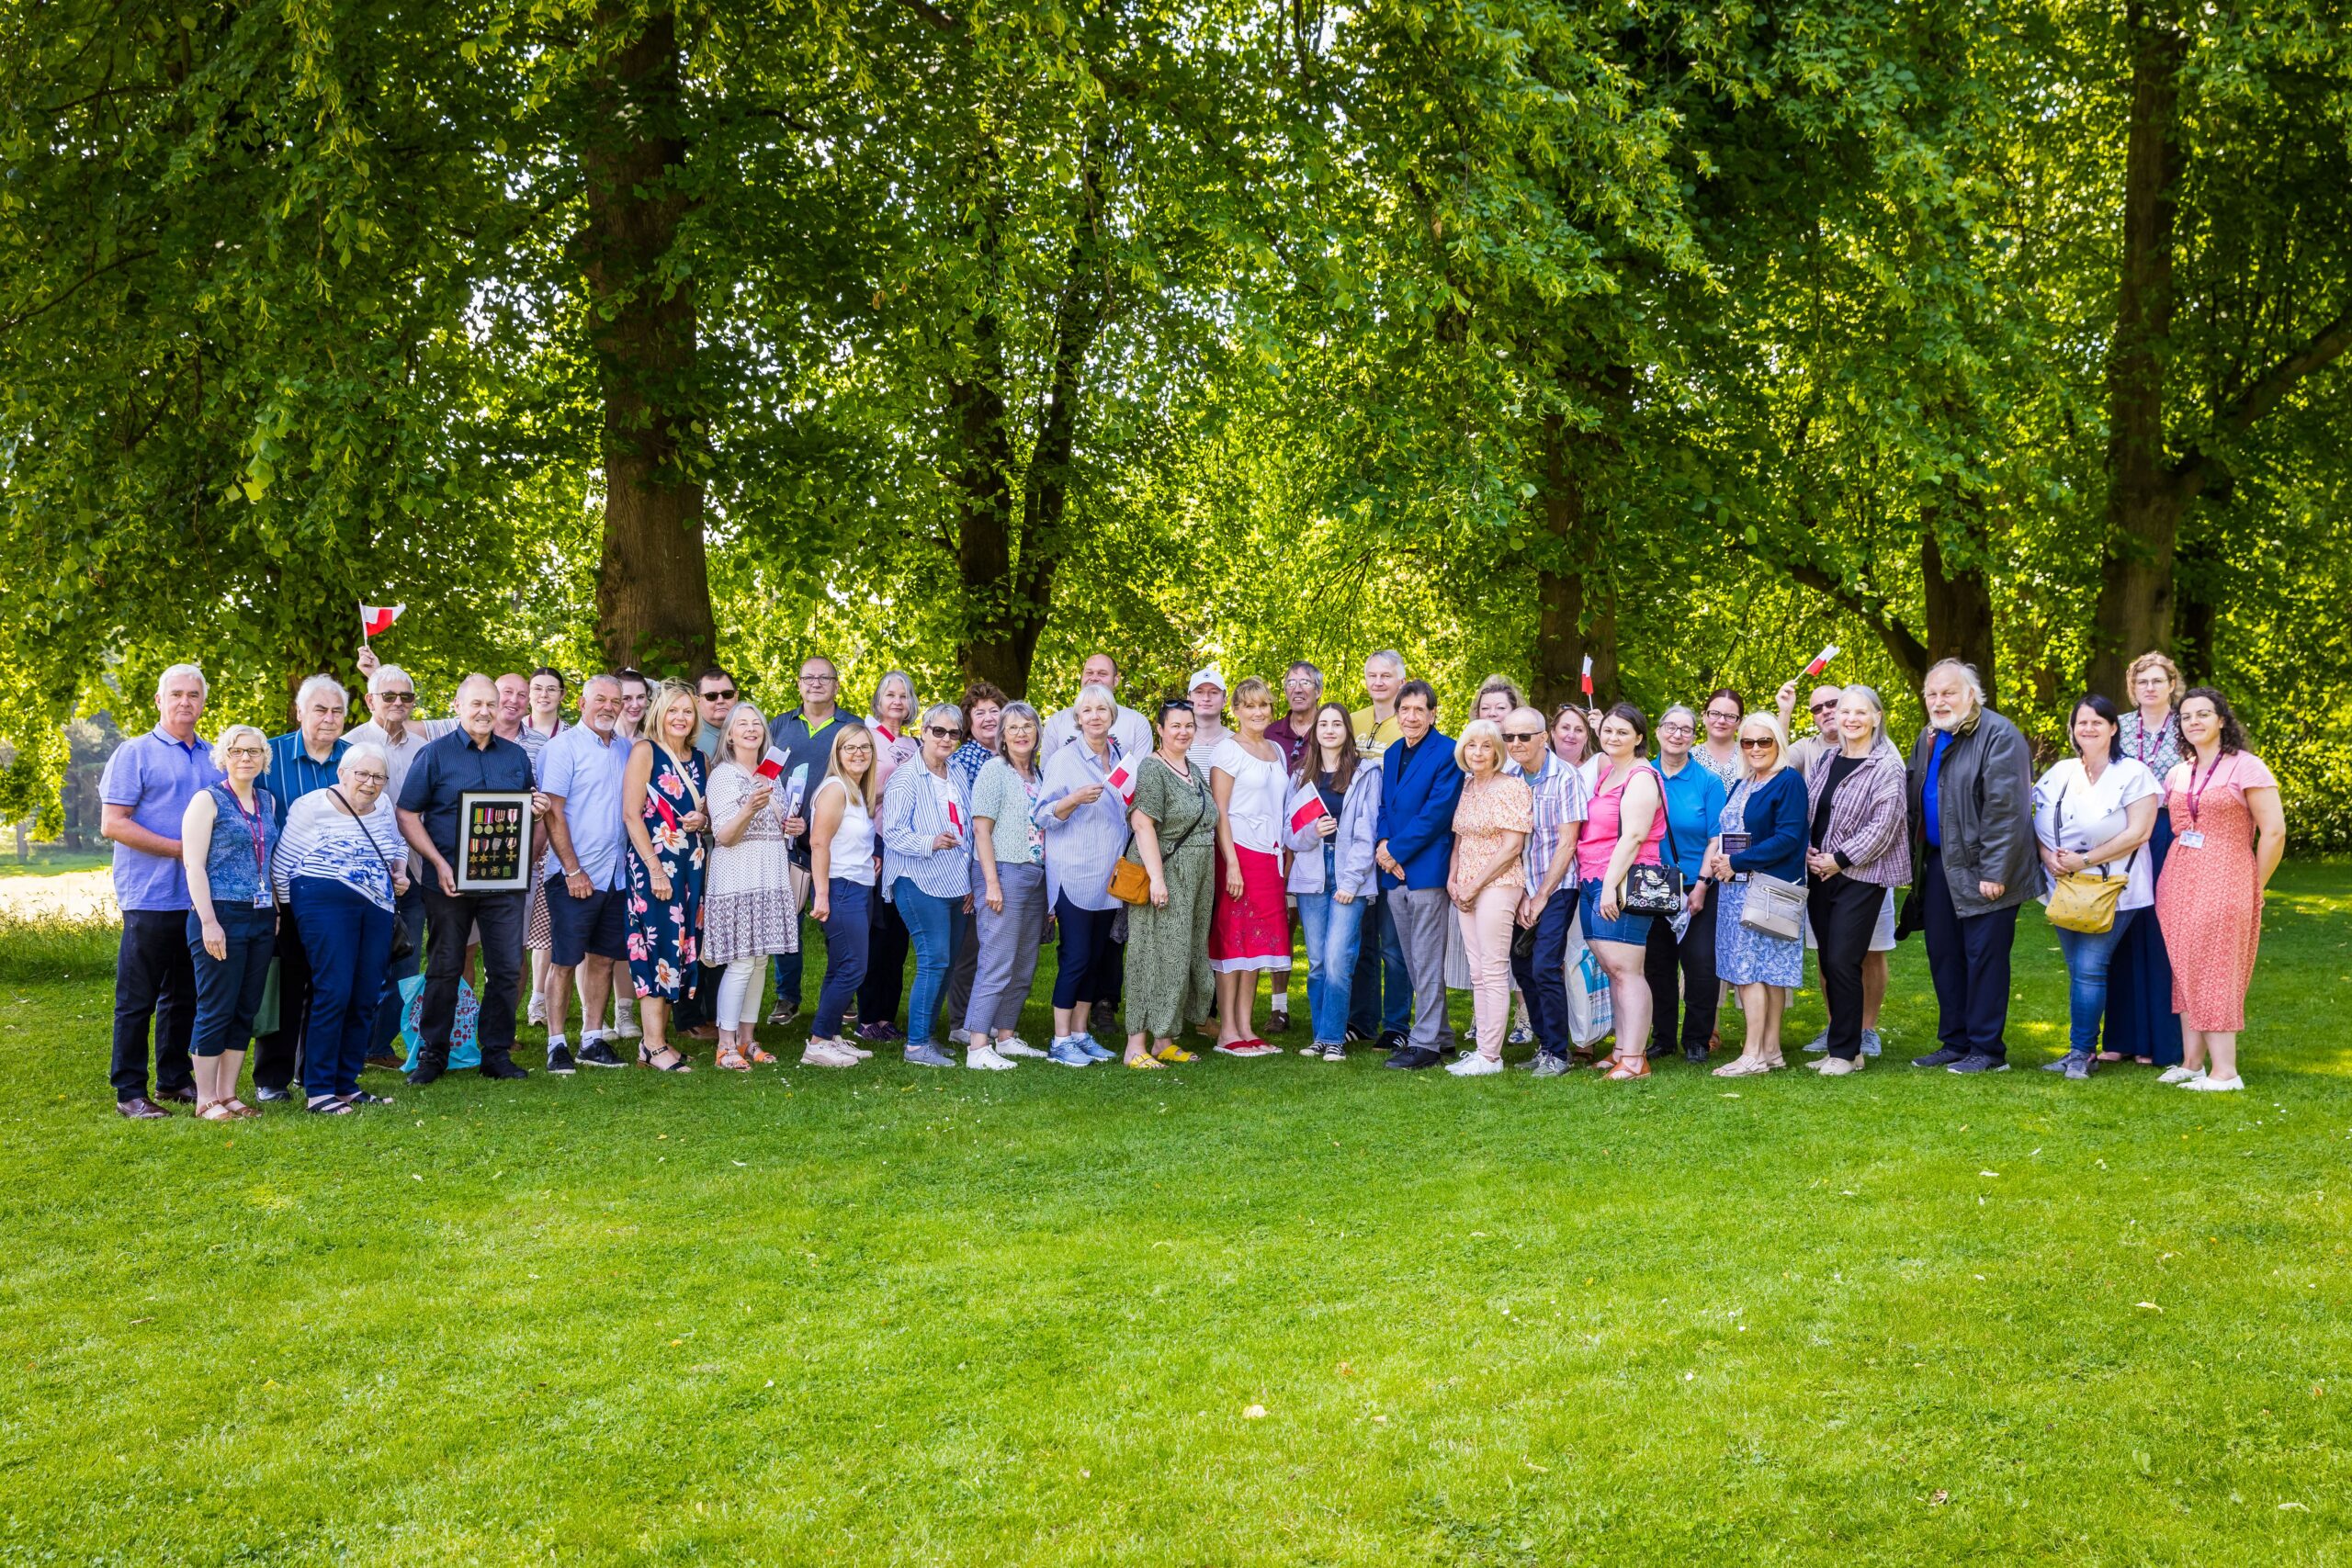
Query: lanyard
2197, 791
2147, 755
253, 831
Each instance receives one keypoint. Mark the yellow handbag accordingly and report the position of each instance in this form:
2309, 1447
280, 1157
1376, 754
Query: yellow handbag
2085, 900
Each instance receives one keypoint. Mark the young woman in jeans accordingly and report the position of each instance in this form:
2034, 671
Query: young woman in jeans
1330, 873
840, 867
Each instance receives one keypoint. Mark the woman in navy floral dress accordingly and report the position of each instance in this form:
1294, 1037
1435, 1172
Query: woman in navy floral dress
661, 806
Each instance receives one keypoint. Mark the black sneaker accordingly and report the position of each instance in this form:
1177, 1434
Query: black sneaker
1412, 1059
1335, 1053
1391, 1040
502, 1068
426, 1070
273, 1095
598, 1053
1357, 1037
1980, 1064
559, 1060
1942, 1057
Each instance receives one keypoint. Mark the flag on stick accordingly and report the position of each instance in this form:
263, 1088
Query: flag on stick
1821, 661
1305, 807
1122, 782
375, 620
770, 766
1588, 677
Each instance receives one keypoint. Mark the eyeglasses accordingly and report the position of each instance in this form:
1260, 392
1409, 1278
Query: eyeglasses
821, 679
1518, 735
726, 697
248, 752
943, 733
370, 778
1722, 718
1747, 740
1674, 729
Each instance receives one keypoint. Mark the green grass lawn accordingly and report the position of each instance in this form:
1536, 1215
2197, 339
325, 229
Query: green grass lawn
1270, 1311
49, 860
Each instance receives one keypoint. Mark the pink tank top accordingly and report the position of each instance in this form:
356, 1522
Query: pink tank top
1602, 821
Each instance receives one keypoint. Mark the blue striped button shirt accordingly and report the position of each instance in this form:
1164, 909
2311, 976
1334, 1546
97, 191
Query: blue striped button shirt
1560, 801
293, 772
914, 813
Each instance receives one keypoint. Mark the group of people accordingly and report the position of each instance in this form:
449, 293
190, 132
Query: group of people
681, 840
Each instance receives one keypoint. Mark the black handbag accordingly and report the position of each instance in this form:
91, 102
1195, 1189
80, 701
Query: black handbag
404, 944
1658, 889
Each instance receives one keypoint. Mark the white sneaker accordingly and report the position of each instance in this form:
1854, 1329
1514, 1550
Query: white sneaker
1014, 1045
2213, 1084
1837, 1066
2179, 1074
625, 1019
538, 1011
1476, 1067
825, 1054
985, 1060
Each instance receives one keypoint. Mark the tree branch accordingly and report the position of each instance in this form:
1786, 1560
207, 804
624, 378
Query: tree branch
2242, 412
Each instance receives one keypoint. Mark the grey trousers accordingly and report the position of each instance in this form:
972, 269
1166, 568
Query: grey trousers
1422, 915
1006, 951
957, 995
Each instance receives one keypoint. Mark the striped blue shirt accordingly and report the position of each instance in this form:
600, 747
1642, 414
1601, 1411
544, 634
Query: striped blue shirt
292, 772
914, 813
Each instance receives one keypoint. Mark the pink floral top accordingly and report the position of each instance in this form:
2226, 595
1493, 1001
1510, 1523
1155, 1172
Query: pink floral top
1490, 809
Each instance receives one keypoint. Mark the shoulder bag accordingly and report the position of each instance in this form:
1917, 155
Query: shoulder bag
1130, 883
1657, 889
1771, 905
404, 944
2085, 900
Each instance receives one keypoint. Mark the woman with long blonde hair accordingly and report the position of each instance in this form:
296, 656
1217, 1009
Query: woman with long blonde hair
663, 808
842, 870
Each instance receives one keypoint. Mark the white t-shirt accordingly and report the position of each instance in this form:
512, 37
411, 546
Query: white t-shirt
2071, 812
1261, 790
850, 855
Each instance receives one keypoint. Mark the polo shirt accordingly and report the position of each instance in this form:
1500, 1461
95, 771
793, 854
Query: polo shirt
156, 776
1292, 743
586, 770
807, 746
1695, 798
293, 772
449, 768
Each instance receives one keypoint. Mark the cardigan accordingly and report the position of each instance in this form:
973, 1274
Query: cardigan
1358, 816
1868, 821
1775, 818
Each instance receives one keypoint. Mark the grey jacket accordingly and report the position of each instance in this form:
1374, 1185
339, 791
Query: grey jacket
1985, 812
1867, 822
1352, 844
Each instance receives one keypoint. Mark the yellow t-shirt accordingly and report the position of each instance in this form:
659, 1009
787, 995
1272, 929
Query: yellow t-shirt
1372, 739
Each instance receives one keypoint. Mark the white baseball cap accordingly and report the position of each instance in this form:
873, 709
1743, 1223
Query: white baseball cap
1209, 676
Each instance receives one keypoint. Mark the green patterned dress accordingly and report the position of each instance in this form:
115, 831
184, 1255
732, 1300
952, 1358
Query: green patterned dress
1169, 987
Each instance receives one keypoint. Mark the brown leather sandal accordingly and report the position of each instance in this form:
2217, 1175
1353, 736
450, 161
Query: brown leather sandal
1623, 1069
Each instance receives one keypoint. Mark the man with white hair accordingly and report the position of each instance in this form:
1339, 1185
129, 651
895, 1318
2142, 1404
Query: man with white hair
145, 790
391, 700
1128, 728
1376, 723
584, 878
1971, 814
469, 759
303, 760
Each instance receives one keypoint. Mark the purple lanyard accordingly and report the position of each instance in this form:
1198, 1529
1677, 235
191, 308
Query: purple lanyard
2197, 791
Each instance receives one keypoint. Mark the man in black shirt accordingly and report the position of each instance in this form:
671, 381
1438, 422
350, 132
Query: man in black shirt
470, 757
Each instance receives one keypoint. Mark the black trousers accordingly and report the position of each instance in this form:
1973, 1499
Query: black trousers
1968, 957
154, 980
447, 921
1844, 914
278, 1055
1693, 958
886, 965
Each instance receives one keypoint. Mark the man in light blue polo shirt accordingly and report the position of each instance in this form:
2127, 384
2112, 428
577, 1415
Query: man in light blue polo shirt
145, 790
586, 881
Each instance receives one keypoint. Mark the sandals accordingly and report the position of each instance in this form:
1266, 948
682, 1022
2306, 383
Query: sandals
1746, 1068
731, 1058
239, 1109
1168, 1051
1146, 1064
676, 1064
215, 1111
1625, 1068
758, 1057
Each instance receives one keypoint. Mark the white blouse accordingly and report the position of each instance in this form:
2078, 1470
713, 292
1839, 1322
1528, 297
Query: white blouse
2071, 812
1260, 790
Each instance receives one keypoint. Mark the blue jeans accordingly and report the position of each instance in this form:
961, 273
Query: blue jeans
1543, 975
349, 941
933, 927
2088, 954
1334, 934
848, 926
229, 990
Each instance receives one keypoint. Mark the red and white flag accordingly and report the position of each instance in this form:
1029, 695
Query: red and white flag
1821, 661
375, 620
1588, 676
1305, 807
1122, 782
770, 766
661, 804
955, 816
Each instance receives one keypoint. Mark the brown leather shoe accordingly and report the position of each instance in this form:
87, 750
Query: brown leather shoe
386, 1059
141, 1110
184, 1094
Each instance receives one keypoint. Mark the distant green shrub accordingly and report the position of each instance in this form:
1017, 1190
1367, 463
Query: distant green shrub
57, 947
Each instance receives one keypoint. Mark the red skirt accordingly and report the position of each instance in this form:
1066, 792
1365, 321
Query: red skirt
1253, 931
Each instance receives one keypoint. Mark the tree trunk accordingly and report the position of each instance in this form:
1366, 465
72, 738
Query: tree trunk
1575, 600
652, 584
1958, 603
2143, 500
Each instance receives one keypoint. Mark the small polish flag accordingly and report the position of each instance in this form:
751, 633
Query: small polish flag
1305, 807
375, 620
662, 805
1122, 782
1588, 674
955, 816
1821, 661
770, 766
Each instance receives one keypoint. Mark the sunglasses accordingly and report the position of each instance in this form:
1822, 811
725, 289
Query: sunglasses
1823, 707
944, 734
396, 696
1518, 735
1747, 740
726, 697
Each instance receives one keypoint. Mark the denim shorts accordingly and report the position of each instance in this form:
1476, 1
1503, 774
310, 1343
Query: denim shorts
1628, 927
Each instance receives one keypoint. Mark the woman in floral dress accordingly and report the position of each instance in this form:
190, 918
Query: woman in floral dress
662, 805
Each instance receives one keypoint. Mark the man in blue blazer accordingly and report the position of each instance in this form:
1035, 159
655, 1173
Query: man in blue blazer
1419, 784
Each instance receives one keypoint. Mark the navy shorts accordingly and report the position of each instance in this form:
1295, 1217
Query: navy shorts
1632, 929
597, 924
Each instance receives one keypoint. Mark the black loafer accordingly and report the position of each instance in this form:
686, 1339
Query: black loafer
425, 1071
502, 1068
1412, 1059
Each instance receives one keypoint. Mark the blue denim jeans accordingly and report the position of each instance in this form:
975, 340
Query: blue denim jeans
1334, 932
1383, 998
2088, 954
848, 925
933, 927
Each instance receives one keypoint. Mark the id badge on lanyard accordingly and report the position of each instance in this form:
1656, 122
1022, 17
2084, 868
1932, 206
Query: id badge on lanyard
2195, 838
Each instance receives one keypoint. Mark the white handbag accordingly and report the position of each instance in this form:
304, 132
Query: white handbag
1773, 907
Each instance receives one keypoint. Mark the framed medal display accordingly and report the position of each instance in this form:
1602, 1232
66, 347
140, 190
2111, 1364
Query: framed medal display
494, 841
